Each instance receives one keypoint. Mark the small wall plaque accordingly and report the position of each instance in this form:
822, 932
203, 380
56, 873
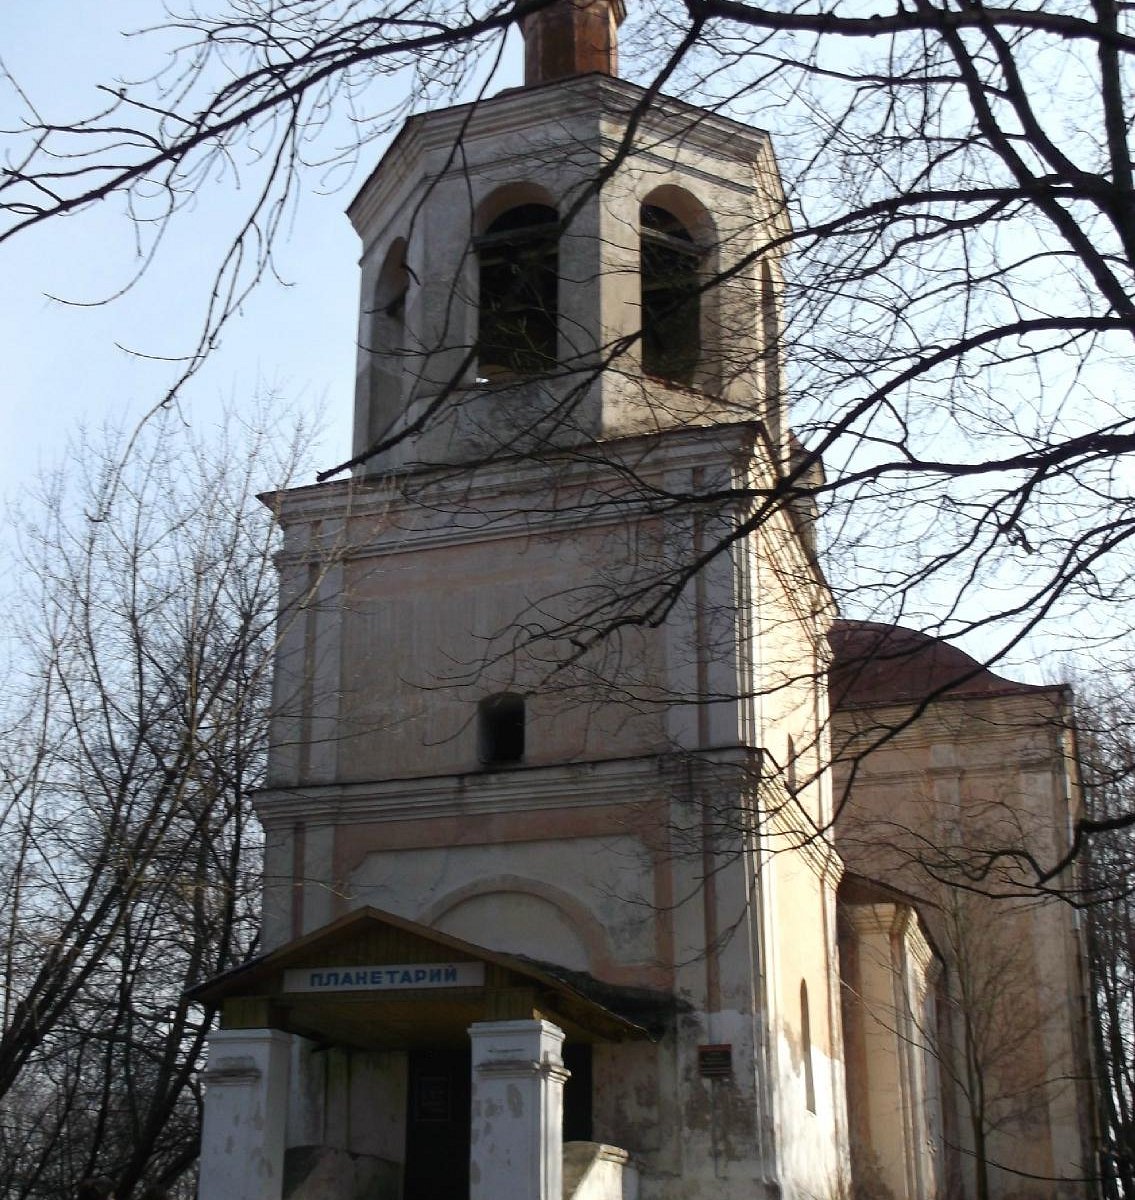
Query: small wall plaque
716, 1061
432, 1099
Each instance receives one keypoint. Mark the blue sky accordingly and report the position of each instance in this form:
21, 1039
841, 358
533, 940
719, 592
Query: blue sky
73, 363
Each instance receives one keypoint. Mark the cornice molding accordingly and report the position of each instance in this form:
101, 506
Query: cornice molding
666, 121
629, 781
421, 509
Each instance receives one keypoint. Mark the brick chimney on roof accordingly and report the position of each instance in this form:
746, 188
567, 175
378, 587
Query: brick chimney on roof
572, 37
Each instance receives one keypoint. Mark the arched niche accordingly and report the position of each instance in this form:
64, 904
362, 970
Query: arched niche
806, 1048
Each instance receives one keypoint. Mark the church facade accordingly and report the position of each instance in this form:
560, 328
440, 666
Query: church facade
562, 897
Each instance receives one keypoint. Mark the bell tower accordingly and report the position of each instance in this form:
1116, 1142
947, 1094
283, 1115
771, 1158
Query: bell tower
565, 264
541, 673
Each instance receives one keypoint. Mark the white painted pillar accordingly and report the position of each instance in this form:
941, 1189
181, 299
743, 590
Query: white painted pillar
246, 1111
516, 1137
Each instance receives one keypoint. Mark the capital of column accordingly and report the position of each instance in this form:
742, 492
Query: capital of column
517, 1044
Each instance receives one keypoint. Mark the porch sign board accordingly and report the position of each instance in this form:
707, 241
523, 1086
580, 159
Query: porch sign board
385, 978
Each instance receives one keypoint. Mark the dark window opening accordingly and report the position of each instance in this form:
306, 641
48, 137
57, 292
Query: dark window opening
519, 262
501, 729
671, 300
770, 352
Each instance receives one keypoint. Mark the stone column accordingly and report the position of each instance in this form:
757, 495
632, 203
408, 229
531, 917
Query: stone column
516, 1135
246, 1110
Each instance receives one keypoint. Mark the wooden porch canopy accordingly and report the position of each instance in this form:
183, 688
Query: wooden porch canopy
375, 981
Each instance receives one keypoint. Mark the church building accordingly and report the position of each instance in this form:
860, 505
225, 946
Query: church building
563, 898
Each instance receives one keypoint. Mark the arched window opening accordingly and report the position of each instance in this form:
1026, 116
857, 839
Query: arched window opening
500, 729
388, 307
518, 256
671, 307
806, 1048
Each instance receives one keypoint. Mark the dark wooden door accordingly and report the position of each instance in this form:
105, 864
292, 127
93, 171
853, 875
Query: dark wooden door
437, 1125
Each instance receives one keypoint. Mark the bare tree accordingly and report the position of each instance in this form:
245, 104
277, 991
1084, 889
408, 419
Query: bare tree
953, 253
999, 1008
1110, 866
973, 265
134, 726
959, 276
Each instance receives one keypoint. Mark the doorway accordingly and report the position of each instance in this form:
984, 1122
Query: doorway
437, 1117
437, 1124
577, 1092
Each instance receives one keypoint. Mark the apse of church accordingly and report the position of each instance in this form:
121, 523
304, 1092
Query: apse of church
538, 921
